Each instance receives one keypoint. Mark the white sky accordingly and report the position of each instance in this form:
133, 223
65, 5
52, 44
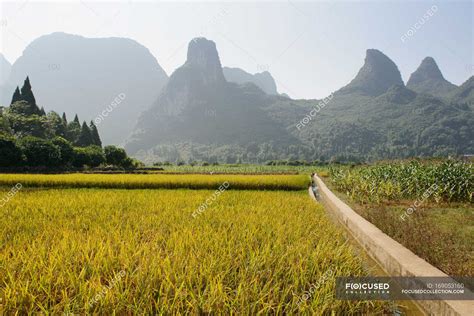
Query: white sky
310, 48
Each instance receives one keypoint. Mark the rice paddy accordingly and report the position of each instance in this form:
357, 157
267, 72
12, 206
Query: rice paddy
157, 181
106, 250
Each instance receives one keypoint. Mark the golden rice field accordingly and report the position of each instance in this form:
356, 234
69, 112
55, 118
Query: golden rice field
158, 181
142, 252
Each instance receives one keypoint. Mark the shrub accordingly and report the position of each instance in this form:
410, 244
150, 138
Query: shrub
116, 156
40, 152
91, 156
66, 149
10, 153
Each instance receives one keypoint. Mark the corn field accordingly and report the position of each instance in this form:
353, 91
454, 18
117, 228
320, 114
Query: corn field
447, 181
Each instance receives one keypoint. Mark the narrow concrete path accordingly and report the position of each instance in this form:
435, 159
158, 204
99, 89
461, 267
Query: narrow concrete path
391, 256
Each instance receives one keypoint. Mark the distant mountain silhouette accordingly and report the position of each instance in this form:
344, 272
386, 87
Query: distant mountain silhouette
376, 76
205, 112
5, 68
465, 92
263, 80
376, 116
200, 115
429, 79
83, 75
199, 105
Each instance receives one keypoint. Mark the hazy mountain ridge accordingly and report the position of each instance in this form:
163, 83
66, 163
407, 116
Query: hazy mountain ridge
200, 114
465, 93
198, 105
263, 80
75, 74
376, 75
374, 116
429, 79
5, 69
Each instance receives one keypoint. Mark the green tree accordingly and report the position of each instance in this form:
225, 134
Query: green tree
24, 108
95, 135
91, 156
55, 125
39, 152
64, 119
26, 125
73, 130
116, 156
85, 137
27, 93
4, 123
10, 153
66, 149
16, 95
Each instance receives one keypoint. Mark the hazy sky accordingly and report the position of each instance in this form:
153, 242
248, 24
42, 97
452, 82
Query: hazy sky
311, 48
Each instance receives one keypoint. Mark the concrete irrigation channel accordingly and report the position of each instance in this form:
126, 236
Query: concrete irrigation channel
389, 257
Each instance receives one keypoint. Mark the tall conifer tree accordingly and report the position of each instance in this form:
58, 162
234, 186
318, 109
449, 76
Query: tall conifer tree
95, 134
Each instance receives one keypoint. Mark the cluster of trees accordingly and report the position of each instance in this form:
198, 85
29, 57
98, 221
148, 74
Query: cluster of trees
31, 138
25, 118
259, 153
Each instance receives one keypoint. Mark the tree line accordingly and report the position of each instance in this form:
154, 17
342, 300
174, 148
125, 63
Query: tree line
30, 137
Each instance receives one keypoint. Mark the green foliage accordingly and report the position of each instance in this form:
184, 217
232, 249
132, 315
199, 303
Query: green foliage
27, 125
4, 123
95, 135
85, 136
40, 152
117, 156
74, 130
66, 149
46, 140
16, 95
91, 156
24, 108
56, 126
449, 180
27, 93
10, 154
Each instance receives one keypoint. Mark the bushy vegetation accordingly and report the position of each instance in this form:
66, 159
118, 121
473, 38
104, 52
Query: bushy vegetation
124, 252
158, 181
31, 138
450, 180
207, 168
